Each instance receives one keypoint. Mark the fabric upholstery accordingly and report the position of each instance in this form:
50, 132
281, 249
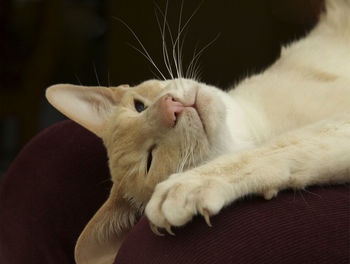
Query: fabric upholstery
50, 192
310, 226
61, 178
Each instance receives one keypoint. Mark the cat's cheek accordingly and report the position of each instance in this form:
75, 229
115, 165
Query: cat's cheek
211, 108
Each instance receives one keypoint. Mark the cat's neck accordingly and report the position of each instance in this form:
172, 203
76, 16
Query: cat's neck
248, 125
237, 121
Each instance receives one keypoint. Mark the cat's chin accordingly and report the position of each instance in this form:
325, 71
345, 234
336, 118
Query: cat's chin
194, 116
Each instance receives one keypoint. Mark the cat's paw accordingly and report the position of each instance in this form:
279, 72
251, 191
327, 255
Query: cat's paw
176, 200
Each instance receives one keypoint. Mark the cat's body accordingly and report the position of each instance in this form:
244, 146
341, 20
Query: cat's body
182, 147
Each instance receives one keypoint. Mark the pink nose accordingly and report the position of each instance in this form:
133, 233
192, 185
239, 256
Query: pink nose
170, 110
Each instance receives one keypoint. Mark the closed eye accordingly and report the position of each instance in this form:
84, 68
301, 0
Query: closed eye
149, 159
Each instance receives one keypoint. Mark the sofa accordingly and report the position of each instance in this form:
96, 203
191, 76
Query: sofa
61, 177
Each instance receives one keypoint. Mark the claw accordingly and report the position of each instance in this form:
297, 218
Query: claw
270, 194
155, 229
206, 216
168, 229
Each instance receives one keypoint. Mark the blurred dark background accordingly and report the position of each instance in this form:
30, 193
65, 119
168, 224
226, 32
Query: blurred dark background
82, 42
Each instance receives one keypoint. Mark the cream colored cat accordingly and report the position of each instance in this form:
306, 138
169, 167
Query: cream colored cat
178, 147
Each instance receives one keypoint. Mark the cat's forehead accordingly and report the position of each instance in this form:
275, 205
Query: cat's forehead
150, 89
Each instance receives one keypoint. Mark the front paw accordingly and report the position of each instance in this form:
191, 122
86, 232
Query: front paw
176, 200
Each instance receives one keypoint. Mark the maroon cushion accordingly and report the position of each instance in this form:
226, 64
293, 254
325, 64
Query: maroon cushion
61, 178
296, 227
49, 193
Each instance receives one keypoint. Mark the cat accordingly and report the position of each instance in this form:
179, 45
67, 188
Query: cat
180, 147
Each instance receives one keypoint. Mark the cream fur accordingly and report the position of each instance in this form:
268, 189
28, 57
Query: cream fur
288, 127
297, 117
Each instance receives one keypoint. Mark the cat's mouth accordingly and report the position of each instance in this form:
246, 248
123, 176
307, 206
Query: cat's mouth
196, 109
195, 106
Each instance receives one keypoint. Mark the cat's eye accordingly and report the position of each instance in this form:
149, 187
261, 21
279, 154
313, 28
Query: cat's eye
139, 106
149, 159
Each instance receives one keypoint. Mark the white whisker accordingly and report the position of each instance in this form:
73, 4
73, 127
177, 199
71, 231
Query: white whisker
179, 33
176, 62
180, 54
190, 66
163, 35
148, 58
76, 76
174, 66
98, 81
196, 57
196, 71
177, 44
155, 75
145, 52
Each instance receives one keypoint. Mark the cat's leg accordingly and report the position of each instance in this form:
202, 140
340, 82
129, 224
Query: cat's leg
316, 154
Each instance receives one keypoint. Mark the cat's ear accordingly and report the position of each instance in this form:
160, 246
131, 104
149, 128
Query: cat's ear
101, 238
89, 106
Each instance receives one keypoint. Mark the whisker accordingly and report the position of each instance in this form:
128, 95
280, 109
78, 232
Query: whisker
76, 76
149, 59
98, 81
180, 54
315, 194
202, 50
187, 157
175, 46
146, 54
186, 23
179, 73
190, 66
294, 191
163, 34
186, 154
196, 71
176, 49
188, 20
166, 63
104, 181
176, 43
302, 196
155, 75
176, 62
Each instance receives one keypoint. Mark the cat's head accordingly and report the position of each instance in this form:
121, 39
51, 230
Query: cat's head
150, 131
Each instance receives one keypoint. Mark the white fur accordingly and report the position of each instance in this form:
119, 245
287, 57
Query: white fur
288, 127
